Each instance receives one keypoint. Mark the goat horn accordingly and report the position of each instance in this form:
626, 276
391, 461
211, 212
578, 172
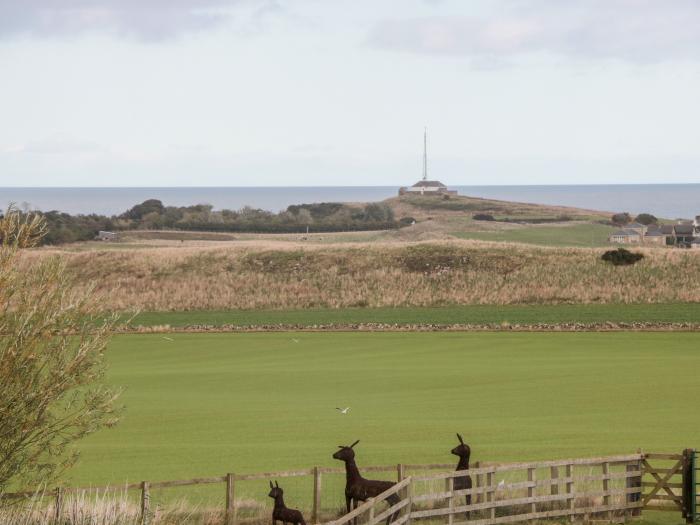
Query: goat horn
460, 439
277, 484
271, 485
355, 443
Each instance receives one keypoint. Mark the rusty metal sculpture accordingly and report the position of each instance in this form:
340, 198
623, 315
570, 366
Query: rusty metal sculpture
358, 488
463, 482
280, 512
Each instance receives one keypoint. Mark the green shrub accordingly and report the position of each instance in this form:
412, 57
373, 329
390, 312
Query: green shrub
622, 257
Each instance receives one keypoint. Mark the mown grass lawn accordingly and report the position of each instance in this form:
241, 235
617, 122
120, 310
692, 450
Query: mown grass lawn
205, 404
584, 235
468, 314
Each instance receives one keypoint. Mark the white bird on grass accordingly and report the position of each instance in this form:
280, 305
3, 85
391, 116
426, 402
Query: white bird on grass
343, 410
295, 340
501, 484
168, 338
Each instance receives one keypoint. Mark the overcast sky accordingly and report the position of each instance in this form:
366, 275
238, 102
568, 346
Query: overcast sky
331, 92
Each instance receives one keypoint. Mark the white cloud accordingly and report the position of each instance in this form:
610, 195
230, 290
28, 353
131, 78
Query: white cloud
148, 20
638, 31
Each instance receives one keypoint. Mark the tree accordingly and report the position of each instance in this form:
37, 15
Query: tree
51, 360
646, 219
621, 219
148, 206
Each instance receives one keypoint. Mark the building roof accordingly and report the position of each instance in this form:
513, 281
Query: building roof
684, 229
625, 233
667, 229
635, 226
654, 233
429, 184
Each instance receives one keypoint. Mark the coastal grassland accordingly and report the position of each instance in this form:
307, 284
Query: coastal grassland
294, 276
446, 315
205, 404
579, 234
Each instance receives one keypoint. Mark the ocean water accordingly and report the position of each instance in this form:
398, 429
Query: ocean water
663, 200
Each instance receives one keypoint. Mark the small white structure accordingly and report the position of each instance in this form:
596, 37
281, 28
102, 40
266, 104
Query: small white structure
425, 186
107, 236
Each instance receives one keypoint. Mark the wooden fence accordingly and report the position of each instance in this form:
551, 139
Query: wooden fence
610, 488
607, 488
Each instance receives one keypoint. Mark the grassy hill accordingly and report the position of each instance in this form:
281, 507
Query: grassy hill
287, 275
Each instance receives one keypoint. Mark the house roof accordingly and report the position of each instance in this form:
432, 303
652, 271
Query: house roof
667, 229
654, 233
635, 225
684, 229
429, 184
624, 233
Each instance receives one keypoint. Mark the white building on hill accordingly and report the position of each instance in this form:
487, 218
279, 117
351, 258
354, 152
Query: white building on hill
425, 186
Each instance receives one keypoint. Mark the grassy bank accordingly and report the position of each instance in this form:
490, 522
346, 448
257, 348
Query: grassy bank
376, 275
585, 235
472, 314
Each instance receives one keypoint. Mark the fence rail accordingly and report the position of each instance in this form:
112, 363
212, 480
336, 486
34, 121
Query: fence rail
608, 488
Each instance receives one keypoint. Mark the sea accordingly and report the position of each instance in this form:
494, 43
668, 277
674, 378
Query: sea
669, 201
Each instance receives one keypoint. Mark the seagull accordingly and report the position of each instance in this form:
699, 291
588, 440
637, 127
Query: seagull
168, 338
501, 484
295, 340
343, 410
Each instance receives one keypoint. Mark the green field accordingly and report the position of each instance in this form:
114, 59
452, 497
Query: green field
470, 314
591, 235
209, 403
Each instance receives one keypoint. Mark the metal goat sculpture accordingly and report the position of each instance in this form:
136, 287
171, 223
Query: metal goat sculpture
463, 482
358, 488
280, 512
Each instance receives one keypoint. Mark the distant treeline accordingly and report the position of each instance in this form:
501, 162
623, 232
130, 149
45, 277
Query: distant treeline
153, 215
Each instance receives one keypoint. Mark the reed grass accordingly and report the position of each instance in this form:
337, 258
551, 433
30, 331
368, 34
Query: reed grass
376, 275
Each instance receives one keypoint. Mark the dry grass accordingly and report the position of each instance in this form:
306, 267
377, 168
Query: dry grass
265, 274
102, 508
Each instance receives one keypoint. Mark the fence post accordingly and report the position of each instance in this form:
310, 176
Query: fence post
371, 512
450, 486
688, 490
317, 496
230, 498
531, 488
489, 494
479, 483
606, 490
570, 503
554, 474
634, 482
58, 509
400, 473
409, 497
145, 502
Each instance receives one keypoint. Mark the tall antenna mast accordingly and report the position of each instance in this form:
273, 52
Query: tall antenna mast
425, 154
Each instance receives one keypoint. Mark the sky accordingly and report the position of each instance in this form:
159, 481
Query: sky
330, 92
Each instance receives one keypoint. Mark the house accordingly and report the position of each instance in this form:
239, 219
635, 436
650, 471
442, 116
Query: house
427, 187
678, 234
106, 236
655, 237
695, 244
625, 237
696, 224
683, 234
